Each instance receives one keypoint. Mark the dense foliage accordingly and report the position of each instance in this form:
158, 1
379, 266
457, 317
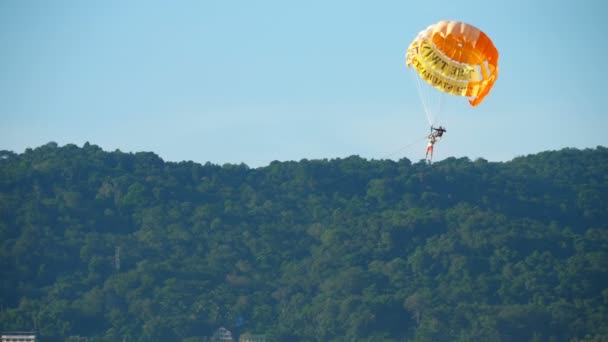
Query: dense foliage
126, 247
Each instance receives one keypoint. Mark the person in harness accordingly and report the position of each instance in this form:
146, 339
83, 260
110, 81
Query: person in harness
436, 134
429, 147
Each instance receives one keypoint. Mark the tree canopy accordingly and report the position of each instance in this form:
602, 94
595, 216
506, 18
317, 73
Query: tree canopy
117, 246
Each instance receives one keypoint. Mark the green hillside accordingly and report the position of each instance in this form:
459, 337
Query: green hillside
114, 246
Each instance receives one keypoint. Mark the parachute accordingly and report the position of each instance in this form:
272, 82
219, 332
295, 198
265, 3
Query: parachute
456, 58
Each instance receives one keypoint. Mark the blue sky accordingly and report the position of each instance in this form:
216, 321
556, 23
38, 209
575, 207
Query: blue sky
257, 81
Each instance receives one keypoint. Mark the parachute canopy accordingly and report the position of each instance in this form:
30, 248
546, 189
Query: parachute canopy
456, 58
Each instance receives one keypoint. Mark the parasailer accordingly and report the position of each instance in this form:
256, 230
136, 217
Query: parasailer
434, 137
430, 146
453, 58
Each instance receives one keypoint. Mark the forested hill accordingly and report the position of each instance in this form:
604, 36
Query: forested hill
114, 246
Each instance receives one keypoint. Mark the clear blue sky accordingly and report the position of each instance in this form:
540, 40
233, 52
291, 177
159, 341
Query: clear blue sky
256, 81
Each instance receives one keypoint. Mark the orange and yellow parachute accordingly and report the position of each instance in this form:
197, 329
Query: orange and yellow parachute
456, 58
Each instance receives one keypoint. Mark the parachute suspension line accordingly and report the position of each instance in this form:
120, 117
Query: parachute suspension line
424, 97
441, 97
430, 98
435, 101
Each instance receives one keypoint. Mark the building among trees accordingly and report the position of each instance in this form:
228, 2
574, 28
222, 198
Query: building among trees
18, 336
222, 334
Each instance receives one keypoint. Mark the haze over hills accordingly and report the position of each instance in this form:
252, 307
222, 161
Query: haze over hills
117, 246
